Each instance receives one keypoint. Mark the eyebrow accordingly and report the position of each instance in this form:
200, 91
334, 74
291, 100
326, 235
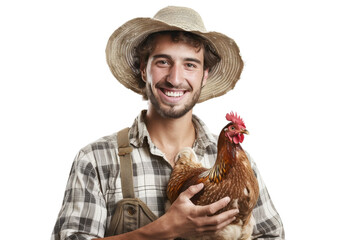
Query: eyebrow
169, 57
193, 60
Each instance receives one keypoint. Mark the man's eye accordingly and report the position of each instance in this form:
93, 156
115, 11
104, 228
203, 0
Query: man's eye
190, 65
162, 62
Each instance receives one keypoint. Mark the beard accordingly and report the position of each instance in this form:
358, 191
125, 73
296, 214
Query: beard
172, 112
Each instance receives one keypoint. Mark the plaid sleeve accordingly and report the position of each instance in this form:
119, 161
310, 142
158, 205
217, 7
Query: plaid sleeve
268, 222
83, 213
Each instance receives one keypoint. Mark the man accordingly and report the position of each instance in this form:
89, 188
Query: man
174, 63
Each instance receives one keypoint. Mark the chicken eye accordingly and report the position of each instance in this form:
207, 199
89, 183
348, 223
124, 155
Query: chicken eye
232, 128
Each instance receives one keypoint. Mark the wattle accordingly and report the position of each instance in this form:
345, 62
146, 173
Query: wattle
239, 138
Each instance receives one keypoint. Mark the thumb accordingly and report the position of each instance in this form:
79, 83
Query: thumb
192, 190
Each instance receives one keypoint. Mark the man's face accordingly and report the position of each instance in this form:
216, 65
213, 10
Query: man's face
174, 76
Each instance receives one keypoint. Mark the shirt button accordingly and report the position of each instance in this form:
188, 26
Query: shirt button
131, 211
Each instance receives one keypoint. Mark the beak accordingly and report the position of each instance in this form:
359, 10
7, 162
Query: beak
245, 132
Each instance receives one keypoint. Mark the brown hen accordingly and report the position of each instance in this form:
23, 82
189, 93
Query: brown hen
231, 176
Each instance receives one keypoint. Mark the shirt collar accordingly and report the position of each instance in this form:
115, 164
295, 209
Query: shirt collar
139, 135
138, 131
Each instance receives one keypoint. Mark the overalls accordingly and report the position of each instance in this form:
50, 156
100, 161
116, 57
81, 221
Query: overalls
130, 213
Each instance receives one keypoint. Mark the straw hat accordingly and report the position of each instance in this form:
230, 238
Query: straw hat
123, 42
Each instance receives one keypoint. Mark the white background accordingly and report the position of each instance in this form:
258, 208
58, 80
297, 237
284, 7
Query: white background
298, 95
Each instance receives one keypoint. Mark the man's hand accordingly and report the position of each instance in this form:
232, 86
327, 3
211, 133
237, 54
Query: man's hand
186, 219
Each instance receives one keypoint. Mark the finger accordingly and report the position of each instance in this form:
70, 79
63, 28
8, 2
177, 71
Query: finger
192, 190
214, 228
217, 222
213, 207
221, 218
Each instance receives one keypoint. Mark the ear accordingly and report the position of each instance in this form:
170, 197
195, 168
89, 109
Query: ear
143, 75
143, 71
205, 77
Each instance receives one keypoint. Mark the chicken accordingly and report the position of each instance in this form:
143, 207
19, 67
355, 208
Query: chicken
231, 176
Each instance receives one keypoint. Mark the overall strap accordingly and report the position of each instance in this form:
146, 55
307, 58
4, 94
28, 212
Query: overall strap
126, 169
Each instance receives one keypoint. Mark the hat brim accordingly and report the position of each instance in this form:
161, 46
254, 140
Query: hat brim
123, 42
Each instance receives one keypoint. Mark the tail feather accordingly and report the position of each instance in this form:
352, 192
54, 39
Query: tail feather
187, 157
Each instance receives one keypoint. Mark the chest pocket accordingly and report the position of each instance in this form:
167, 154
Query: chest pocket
130, 213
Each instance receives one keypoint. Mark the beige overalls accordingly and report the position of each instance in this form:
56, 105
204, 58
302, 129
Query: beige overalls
131, 213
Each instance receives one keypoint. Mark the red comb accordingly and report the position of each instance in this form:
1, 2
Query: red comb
235, 119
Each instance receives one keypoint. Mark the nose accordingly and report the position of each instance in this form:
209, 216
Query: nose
175, 76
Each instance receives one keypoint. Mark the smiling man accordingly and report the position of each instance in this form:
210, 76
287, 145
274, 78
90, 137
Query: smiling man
174, 63
174, 75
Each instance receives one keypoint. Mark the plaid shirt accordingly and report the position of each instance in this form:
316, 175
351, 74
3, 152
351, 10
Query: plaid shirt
94, 185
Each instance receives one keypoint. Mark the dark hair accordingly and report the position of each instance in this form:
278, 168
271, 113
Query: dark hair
146, 47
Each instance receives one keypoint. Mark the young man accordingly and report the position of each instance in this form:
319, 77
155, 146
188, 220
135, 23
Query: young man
174, 63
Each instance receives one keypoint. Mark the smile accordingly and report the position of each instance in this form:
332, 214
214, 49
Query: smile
173, 93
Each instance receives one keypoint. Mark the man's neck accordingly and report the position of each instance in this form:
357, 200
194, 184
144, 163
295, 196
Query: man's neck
170, 134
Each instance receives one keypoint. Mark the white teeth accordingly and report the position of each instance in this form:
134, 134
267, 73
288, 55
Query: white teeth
174, 94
